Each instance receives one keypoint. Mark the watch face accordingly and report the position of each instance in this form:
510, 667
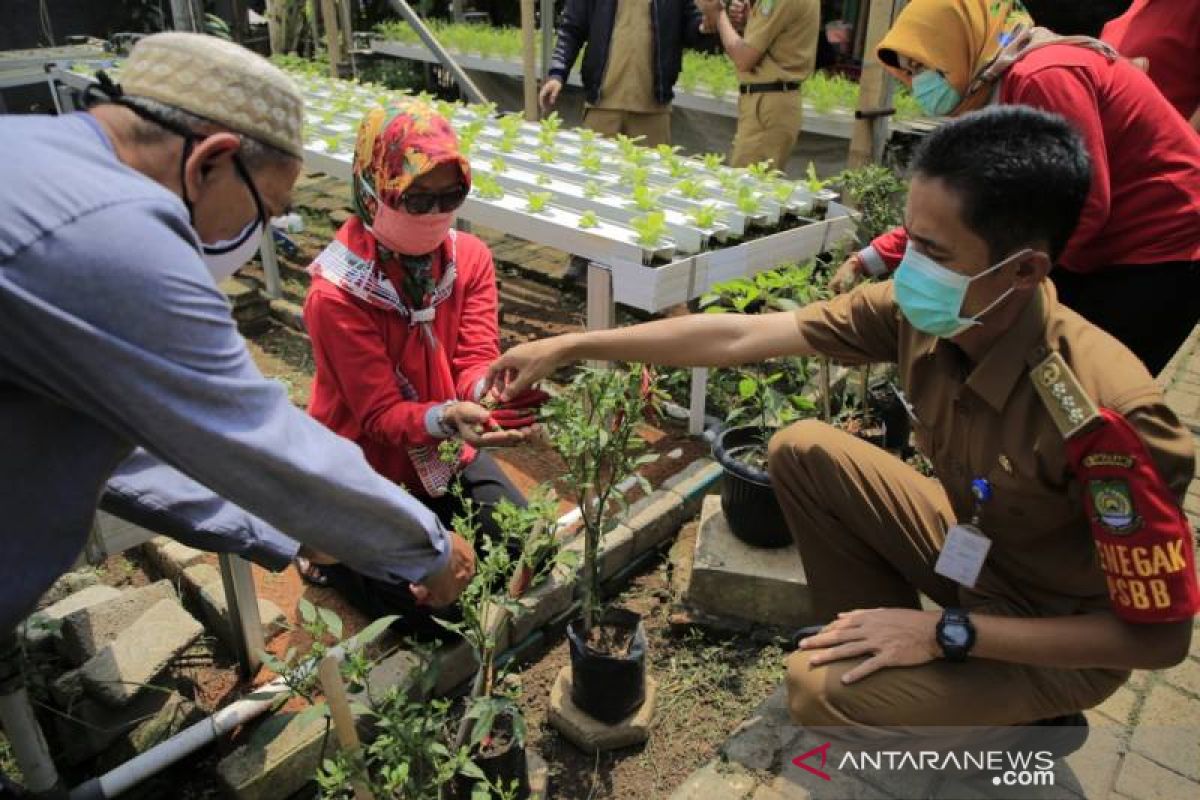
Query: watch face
955, 635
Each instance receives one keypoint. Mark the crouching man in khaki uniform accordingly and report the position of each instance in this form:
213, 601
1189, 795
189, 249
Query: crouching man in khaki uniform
776, 53
1053, 536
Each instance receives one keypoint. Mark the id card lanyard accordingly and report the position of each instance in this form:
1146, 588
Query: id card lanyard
966, 547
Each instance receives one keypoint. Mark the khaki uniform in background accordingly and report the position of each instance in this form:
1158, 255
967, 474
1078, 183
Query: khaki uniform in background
870, 528
626, 104
785, 31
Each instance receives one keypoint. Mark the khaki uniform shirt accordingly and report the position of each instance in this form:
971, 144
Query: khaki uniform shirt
785, 31
989, 422
629, 76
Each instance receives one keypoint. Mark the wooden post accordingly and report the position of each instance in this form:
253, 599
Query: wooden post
333, 36
528, 34
874, 89
343, 718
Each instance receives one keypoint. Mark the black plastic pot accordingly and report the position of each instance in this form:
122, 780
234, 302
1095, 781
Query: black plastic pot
501, 767
747, 497
895, 417
605, 687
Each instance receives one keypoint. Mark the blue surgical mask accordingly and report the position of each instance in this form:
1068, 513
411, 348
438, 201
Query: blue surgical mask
934, 93
931, 296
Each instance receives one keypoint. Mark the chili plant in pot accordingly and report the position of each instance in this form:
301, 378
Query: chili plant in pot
764, 398
518, 559
592, 425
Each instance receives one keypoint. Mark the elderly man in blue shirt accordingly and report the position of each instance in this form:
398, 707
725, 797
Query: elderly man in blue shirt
114, 226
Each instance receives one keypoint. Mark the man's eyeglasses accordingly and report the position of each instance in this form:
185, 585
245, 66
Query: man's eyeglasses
429, 202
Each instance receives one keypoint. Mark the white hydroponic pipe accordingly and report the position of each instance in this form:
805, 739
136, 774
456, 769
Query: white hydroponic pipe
191, 739
27, 742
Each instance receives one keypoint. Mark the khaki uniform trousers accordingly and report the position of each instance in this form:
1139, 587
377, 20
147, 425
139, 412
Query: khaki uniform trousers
768, 126
653, 127
869, 528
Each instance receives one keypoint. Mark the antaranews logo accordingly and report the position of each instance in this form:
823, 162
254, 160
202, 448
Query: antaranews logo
1012, 768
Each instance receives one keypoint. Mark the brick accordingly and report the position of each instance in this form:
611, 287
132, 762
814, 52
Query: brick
1167, 731
655, 519
1095, 764
94, 727
87, 631
68, 584
124, 668
43, 628
170, 557
176, 714
616, 551
196, 577
279, 768
456, 664
693, 482
1141, 779
544, 603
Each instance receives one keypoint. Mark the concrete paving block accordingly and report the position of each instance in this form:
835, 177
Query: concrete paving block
655, 519
779, 789
94, 727
44, 628
1142, 779
544, 603
68, 584
215, 610
1095, 764
1120, 705
170, 557
1185, 676
764, 739
732, 579
716, 780
67, 689
120, 671
591, 735
616, 551
1168, 731
281, 767
87, 631
395, 670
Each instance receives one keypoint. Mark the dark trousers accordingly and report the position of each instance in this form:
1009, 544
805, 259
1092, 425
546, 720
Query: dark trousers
1150, 308
483, 483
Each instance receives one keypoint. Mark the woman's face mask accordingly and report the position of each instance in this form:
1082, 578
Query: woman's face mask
411, 234
931, 296
934, 93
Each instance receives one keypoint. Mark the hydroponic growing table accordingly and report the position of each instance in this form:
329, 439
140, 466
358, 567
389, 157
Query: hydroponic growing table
588, 196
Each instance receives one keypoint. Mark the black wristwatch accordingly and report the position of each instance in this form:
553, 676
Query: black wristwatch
955, 634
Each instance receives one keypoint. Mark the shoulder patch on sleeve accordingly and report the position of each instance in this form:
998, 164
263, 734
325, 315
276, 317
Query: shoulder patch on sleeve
1069, 405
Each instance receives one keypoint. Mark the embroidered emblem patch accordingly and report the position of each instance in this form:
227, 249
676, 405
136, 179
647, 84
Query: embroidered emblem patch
1120, 460
1113, 504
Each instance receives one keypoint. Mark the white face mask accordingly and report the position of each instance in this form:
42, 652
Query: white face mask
225, 258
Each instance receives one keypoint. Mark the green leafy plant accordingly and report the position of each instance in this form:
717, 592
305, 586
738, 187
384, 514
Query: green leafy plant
537, 202
691, 188
588, 219
878, 195
590, 162
333, 143
713, 161
645, 198
498, 165
636, 175
546, 155
748, 200
591, 190
812, 182
650, 228
549, 129
487, 187
510, 124
543, 180
705, 216
587, 135
592, 425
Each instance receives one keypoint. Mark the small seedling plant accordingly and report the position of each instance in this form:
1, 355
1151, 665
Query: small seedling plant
538, 202
593, 426
650, 228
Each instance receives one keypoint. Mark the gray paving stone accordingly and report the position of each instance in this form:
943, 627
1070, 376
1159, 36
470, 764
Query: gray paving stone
176, 714
1185, 676
1168, 731
94, 727
1095, 764
716, 780
544, 603
170, 557
121, 671
763, 740
1142, 779
1120, 705
280, 768
87, 631
616, 551
67, 584
215, 610
655, 519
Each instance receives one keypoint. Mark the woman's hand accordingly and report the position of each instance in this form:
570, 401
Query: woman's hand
526, 364
848, 274
891, 637
475, 427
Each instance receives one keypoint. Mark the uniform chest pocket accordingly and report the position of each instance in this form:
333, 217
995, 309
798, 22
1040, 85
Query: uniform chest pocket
1030, 507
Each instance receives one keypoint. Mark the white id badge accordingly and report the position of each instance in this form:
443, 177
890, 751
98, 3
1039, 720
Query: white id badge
963, 554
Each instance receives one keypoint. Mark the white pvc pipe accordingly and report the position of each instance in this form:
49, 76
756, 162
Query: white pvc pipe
28, 743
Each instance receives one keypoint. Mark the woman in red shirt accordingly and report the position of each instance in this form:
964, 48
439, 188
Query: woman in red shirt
402, 312
1133, 263
1166, 33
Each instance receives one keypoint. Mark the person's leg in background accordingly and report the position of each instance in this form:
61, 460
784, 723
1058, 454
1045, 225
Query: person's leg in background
653, 128
749, 146
604, 121
781, 114
869, 529
1150, 308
